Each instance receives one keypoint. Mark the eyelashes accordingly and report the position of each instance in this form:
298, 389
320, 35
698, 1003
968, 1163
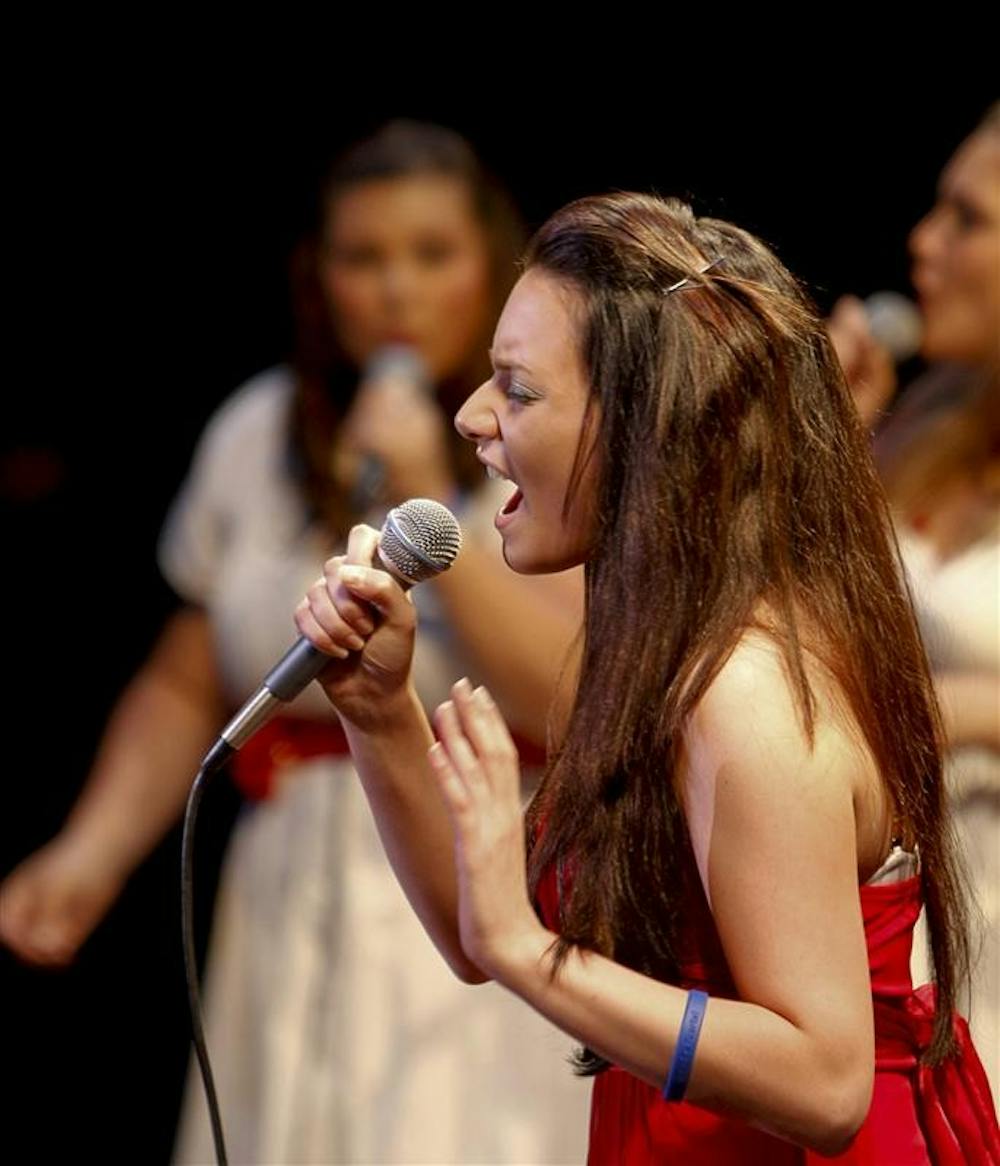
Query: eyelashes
967, 217
520, 394
514, 390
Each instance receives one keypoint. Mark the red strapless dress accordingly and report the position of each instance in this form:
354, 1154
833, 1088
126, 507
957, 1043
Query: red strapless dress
918, 1117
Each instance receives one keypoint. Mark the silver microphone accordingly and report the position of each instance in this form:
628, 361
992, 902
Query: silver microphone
895, 323
419, 539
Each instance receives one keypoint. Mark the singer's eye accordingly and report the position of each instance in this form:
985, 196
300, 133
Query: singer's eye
514, 390
520, 394
965, 216
435, 252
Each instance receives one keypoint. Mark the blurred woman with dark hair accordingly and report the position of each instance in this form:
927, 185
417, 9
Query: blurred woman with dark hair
325, 1047
938, 452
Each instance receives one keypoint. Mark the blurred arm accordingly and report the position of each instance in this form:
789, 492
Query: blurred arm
136, 790
970, 706
519, 630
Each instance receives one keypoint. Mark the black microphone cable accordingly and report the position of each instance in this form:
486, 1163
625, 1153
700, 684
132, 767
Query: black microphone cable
419, 540
190, 961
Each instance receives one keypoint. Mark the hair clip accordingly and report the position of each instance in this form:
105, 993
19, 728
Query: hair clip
686, 282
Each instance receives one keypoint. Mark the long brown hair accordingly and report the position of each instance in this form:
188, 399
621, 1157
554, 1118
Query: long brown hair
326, 380
734, 473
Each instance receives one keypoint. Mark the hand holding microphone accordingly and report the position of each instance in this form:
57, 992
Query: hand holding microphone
418, 540
871, 337
397, 432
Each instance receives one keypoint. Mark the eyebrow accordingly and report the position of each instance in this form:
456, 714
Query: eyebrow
964, 199
510, 363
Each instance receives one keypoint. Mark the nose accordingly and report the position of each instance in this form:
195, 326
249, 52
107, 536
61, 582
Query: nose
476, 420
400, 285
922, 237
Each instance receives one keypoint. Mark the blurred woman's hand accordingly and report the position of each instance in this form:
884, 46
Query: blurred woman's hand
402, 425
54, 899
868, 366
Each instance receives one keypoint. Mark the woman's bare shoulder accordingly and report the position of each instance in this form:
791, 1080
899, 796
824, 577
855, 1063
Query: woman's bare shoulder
754, 725
748, 741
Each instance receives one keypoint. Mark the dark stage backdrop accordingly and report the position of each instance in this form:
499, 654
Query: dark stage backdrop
148, 243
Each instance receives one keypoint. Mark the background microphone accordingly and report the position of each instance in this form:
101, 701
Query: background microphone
418, 540
394, 366
895, 323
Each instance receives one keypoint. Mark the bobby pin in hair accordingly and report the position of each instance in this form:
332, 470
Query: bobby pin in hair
687, 282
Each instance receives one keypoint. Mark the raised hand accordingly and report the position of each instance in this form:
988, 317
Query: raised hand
476, 765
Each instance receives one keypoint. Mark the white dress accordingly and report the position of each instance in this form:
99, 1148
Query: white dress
957, 603
335, 1030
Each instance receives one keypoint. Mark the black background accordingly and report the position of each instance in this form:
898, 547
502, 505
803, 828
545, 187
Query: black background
153, 211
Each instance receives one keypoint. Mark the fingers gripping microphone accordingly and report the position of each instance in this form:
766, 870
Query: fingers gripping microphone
418, 540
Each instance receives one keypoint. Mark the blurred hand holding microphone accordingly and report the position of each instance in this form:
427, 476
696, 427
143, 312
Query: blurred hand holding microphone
396, 431
871, 337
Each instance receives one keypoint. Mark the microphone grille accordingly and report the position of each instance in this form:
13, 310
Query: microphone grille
420, 539
397, 360
895, 322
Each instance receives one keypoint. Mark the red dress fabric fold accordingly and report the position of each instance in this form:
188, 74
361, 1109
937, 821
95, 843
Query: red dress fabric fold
919, 1116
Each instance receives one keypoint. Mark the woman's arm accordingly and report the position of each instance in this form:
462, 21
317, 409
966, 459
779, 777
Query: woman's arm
970, 707
518, 629
359, 616
773, 827
136, 790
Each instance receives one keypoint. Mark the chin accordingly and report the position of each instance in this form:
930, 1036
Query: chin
525, 562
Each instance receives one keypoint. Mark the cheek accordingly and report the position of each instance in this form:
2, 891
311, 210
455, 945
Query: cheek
968, 265
578, 523
973, 275
961, 327
583, 515
983, 267
354, 305
960, 317
458, 295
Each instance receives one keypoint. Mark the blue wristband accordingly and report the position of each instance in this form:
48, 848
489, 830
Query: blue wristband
687, 1042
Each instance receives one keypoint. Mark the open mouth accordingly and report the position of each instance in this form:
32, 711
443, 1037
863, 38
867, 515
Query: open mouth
513, 501
510, 507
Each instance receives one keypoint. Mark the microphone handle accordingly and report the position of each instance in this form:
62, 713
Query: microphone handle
367, 488
299, 666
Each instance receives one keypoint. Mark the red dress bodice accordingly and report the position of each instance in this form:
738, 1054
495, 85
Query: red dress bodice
918, 1116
